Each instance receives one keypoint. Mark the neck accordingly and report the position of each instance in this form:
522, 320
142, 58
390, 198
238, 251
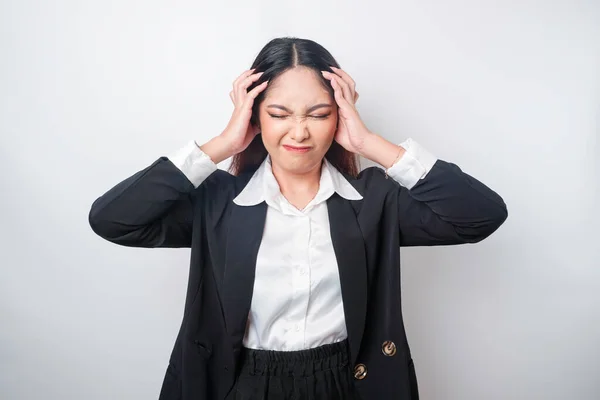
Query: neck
298, 188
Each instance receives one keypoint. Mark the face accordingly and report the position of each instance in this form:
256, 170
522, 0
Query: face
298, 120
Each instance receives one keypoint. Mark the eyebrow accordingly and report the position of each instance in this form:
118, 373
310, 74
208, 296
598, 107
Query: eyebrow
311, 109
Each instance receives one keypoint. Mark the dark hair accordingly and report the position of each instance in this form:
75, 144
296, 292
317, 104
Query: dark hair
278, 56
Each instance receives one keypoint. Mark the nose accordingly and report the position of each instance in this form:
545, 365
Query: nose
299, 131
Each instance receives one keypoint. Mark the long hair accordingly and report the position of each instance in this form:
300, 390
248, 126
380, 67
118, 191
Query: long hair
278, 56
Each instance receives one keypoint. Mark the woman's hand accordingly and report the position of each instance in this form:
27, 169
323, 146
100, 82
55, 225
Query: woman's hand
351, 133
239, 131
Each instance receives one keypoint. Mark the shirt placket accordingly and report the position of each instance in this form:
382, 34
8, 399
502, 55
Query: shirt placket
300, 269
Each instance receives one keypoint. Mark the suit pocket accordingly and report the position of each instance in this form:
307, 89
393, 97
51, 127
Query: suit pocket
203, 349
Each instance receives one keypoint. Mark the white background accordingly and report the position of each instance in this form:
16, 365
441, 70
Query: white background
91, 92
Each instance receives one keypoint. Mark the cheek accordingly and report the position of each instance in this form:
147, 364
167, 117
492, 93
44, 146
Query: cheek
272, 130
329, 125
323, 131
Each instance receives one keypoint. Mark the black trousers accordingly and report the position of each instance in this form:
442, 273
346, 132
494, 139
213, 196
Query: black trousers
321, 373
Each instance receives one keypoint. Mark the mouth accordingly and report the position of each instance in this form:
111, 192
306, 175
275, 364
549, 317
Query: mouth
296, 149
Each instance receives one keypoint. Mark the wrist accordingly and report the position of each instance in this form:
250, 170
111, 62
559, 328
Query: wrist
217, 149
364, 149
369, 142
381, 151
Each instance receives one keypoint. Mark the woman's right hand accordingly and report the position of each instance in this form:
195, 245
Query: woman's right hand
239, 131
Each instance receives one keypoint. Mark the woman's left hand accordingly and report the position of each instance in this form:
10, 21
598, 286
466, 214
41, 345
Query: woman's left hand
351, 131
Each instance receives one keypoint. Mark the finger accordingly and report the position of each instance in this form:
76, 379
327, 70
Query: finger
343, 85
243, 86
254, 93
338, 94
356, 96
243, 76
330, 77
239, 79
347, 78
348, 95
231, 97
246, 83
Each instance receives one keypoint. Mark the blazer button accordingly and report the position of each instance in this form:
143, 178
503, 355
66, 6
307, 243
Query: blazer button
360, 371
388, 348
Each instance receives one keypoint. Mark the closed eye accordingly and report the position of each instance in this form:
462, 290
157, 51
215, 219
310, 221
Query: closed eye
322, 116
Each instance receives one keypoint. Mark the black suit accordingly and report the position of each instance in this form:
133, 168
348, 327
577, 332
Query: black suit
159, 207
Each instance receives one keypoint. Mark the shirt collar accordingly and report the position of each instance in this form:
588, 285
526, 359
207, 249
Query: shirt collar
264, 187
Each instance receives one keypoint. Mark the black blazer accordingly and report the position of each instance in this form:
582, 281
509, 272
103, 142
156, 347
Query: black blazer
159, 207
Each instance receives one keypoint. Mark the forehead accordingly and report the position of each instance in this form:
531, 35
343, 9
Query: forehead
300, 86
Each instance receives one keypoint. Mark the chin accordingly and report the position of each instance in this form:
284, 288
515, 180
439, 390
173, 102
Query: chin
298, 163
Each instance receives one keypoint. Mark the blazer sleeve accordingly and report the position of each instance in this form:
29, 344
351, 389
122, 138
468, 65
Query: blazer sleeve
439, 204
155, 206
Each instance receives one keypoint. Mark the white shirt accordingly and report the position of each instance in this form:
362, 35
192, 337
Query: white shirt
297, 299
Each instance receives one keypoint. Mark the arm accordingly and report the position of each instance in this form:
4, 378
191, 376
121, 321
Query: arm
153, 207
438, 203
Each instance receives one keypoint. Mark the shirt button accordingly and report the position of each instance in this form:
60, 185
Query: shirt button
302, 271
297, 328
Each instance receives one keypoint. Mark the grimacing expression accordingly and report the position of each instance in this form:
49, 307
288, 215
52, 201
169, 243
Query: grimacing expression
298, 119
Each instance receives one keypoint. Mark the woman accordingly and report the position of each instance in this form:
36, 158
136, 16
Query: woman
294, 287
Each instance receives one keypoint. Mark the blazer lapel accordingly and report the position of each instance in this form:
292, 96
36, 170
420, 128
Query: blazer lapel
349, 248
243, 241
